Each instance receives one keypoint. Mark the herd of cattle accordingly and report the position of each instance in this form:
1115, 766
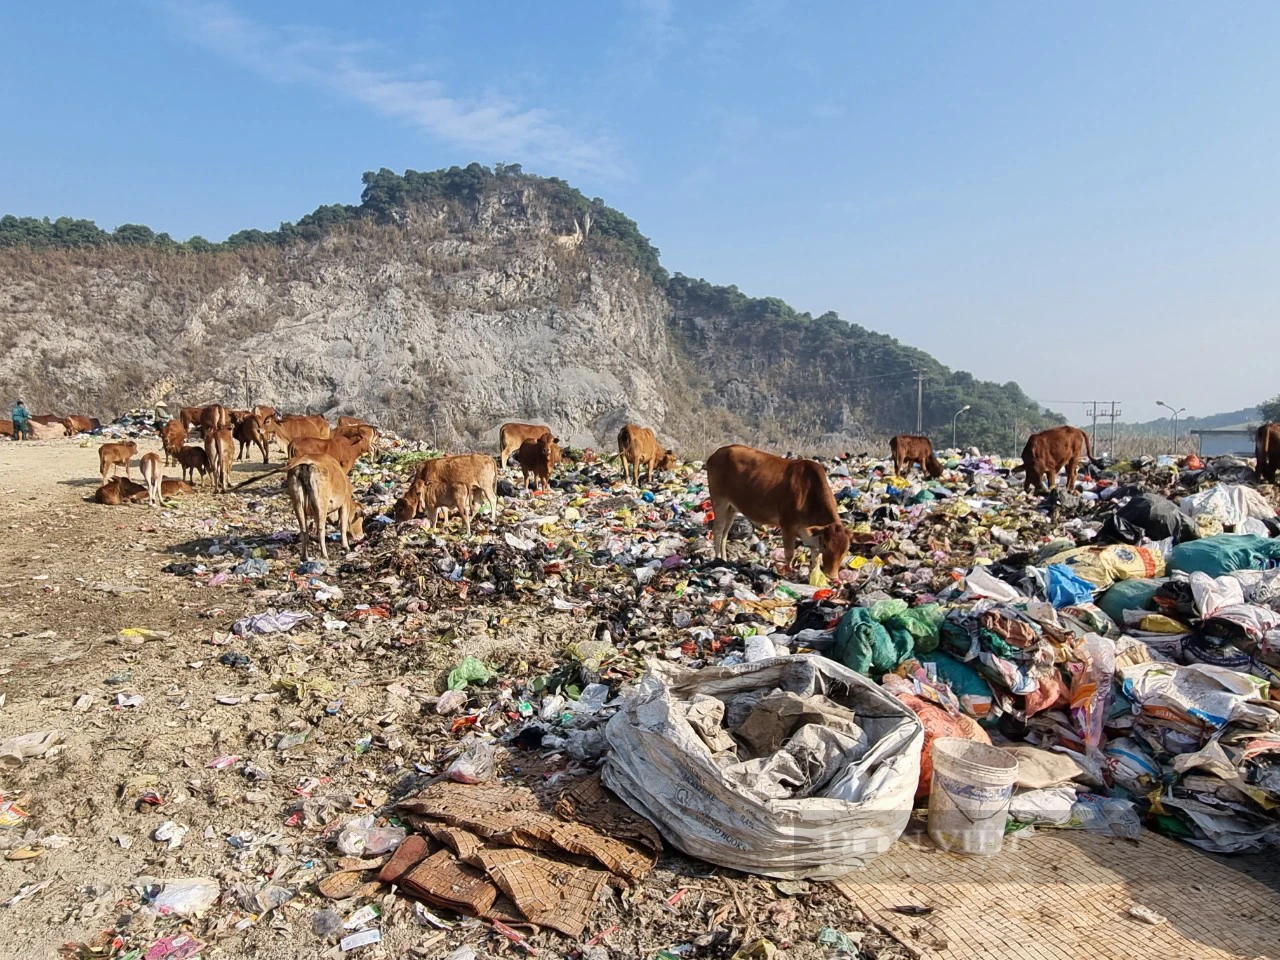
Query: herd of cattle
791, 494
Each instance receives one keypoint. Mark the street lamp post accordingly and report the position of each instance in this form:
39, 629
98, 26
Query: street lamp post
953, 424
1180, 410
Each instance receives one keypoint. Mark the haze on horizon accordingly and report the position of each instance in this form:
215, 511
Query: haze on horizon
1080, 197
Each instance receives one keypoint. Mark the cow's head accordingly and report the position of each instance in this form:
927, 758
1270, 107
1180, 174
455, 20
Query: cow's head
832, 540
667, 461
355, 525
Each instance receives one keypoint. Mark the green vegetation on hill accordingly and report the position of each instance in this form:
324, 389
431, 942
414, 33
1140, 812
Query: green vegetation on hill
838, 377
385, 195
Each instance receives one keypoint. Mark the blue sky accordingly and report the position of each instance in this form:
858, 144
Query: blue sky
1079, 196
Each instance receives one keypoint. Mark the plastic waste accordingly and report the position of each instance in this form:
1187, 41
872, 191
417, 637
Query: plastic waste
326, 924
262, 623
1091, 689
1110, 815
476, 762
469, 671
360, 837
17, 749
188, 897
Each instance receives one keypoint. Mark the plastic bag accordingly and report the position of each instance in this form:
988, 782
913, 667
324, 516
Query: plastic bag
1220, 555
1091, 689
360, 838
662, 769
1128, 595
469, 671
864, 645
187, 898
1103, 566
475, 763
1066, 588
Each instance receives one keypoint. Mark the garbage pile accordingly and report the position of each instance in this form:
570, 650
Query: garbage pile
603, 686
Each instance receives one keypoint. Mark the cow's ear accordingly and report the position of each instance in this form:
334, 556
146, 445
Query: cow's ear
814, 531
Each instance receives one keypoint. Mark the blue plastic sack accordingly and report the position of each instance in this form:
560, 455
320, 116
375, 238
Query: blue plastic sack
1066, 589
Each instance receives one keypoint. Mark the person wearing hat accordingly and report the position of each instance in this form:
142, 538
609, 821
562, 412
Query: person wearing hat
162, 415
21, 421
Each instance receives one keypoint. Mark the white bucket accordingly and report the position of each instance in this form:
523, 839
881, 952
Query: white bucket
969, 795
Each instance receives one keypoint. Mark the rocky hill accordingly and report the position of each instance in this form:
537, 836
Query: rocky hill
444, 304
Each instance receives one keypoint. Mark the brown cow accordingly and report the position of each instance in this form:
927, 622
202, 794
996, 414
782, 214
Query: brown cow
790, 494
1049, 451
477, 471
119, 490
341, 448
356, 431
908, 449
1267, 448
538, 458
264, 412
317, 487
6, 429
172, 435
193, 458
513, 434
288, 429
438, 495
215, 417
111, 455
46, 418
248, 430
152, 476
348, 421
190, 417
406, 507
639, 445
78, 424
218, 447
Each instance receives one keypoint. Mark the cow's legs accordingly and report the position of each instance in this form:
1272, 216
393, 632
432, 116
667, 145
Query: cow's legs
724, 514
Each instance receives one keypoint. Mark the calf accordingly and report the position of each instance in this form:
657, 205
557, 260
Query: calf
192, 459
119, 490
112, 455
172, 435
639, 446
248, 430
218, 446
475, 470
538, 458
1267, 448
347, 421
406, 507
1049, 451
511, 435
342, 449
907, 449
318, 486
790, 494
440, 495
152, 476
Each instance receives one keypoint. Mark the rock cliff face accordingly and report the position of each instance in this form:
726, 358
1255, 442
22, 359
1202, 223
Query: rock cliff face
434, 327
449, 302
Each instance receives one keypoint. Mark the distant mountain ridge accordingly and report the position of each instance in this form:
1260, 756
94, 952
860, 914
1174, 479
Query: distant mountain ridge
1214, 421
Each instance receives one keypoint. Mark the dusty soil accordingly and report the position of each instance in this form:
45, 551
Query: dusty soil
74, 574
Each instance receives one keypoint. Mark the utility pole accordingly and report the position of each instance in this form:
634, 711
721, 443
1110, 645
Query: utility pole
1014, 451
1113, 414
919, 400
1093, 414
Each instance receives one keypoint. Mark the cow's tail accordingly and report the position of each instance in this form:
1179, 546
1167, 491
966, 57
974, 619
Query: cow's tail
1088, 448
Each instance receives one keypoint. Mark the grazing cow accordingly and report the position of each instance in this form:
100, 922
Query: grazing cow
639, 446
908, 449
218, 447
406, 507
78, 424
152, 476
440, 495
348, 421
513, 434
538, 458
1049, 451
289, 429
317, 487
6, 428
193, 458
46, 418
790, 494
1267, 448
477, 471
172, 436
248, 430
346, 451
356, 431
111, 455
